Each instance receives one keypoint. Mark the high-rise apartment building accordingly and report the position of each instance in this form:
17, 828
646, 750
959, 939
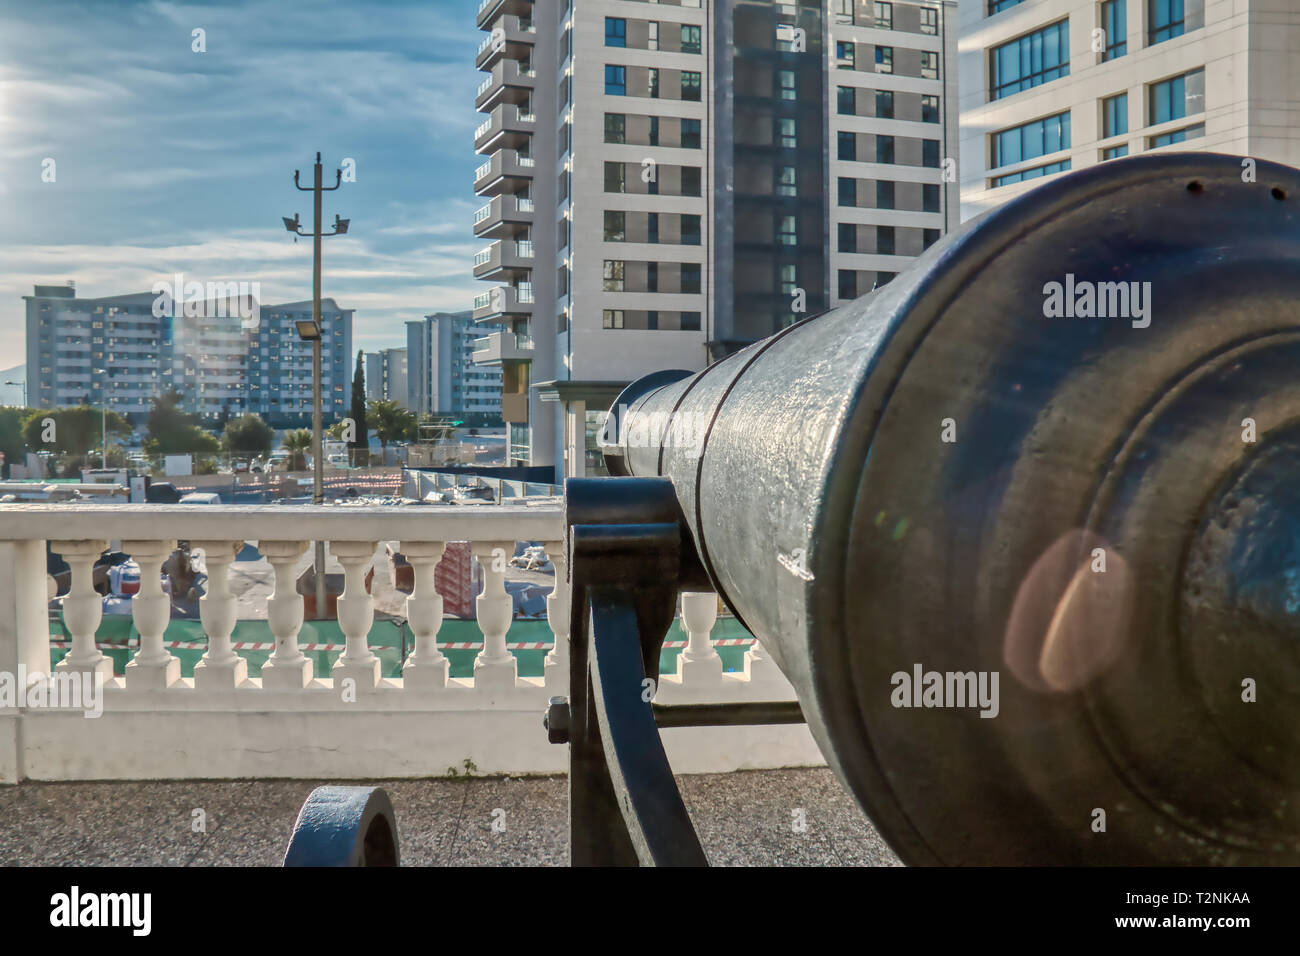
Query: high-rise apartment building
386, 376
669, 182
118, 351
443, 378
1053, 85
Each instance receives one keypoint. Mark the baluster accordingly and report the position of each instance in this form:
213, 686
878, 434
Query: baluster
356, 615
557, 616
495, 667
288, 668
427, 667
699, 662
153, 667
760, 667
83, 608
220, 668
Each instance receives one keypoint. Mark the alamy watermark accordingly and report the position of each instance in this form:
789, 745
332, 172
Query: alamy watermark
1083, 299
180, 299
683, 430
62, 690
922, 688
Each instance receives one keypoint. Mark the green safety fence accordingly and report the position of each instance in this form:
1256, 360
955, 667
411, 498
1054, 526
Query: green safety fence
389, 640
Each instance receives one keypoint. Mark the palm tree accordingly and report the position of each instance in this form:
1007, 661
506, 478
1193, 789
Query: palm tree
390, 421
298, 443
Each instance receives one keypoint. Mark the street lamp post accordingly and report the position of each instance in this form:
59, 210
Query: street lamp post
313, 334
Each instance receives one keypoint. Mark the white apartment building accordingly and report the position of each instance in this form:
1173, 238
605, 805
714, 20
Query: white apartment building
668, 182
1053, 85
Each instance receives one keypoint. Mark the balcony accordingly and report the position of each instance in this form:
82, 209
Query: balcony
507, 83
237, 718
489, 10
515, 42
501, 347
504, 217
503, 259
505, 172
509, 125
503, 303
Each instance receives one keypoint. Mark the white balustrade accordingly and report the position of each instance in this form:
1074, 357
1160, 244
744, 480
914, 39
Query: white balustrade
495, 667
556, 667
427, 667
288, 668
356, 615
82, 608
153, 667
221, 668
699, 662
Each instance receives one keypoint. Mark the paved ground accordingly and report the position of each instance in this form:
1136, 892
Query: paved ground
754, 818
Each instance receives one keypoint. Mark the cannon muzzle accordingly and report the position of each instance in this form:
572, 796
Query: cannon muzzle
1022, 527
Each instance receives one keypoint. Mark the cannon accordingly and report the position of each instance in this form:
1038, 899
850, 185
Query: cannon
1022, 529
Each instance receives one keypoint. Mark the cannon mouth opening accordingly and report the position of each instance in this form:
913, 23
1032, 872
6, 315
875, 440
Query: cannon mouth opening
1061, 423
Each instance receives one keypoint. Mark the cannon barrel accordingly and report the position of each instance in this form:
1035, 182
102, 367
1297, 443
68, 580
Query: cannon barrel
1022, 527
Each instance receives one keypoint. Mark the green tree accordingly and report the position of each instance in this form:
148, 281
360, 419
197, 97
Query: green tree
392, 423
297, 444
74, 430
361, 440
12, 443
172, 431
247, 435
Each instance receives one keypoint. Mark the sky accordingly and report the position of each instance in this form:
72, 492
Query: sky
168, 160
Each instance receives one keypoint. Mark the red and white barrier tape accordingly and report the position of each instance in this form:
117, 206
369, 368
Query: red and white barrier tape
450, 645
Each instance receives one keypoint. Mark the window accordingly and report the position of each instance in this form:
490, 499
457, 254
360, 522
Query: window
1177, 97
690, 39
1178, 136
690, 134
885, 104
930, 197
929, 237
615, 31
1030, 60
786, 183
786, 134
844, 55
1114, 116
846, 146
691, 277
930, 21
787, 231
652, 320
652, 277
652, 82
848, 237
884, 59
691, 85
1038, 138
615, 226
613, 275
884, 13
846, 100
690, 230
930, 153
789, 279
1167, 19
848, 191
929, 65
883, 278
612, 319
1034, 173
848, 284
652, 228
884, 194
654, 131
929, 109
1114, 21
844, 11
690, 180
1115, 152
652, 35
615, 178
690, 322
884, 149
615, 80
788, 90
997, 6
885, 240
